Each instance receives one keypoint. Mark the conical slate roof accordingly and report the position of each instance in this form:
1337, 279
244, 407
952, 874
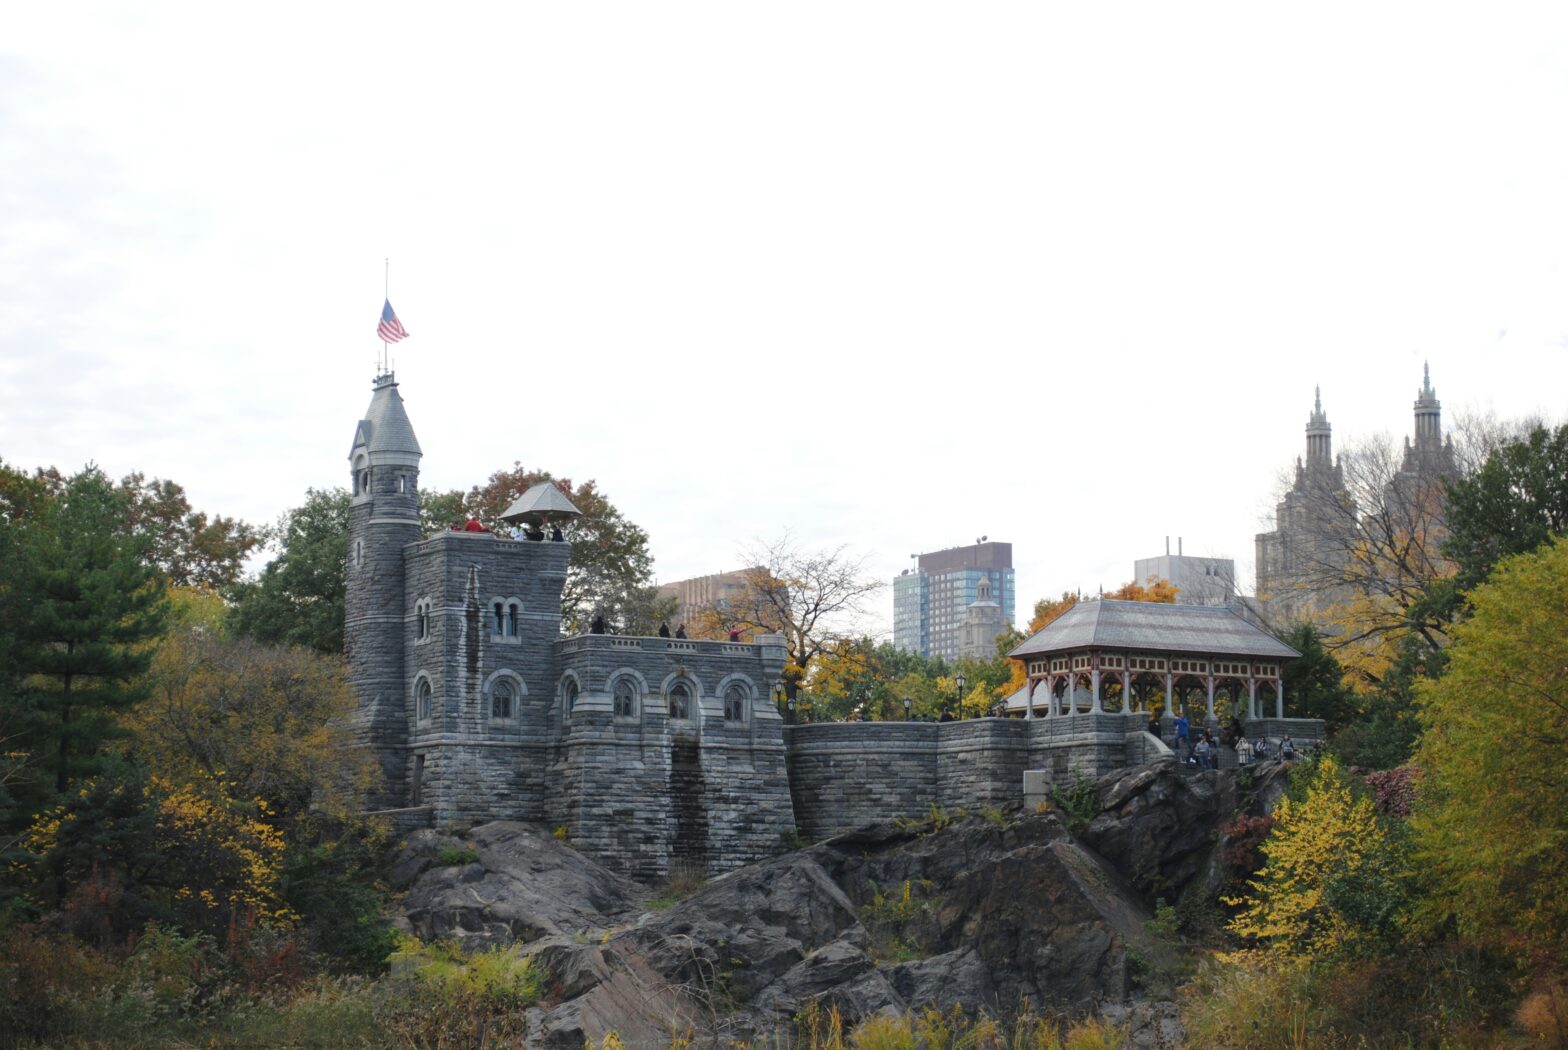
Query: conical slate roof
1154, 626
543, 498
385, 427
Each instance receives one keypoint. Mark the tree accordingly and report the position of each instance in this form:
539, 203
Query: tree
1315, 682
1494, 813
812, 597
187, 547
83, 605
610, 570
1515, 502
263, 720
299, 597
1333, 877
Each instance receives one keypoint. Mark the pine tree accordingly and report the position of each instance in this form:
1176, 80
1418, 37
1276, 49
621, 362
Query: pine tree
83, 605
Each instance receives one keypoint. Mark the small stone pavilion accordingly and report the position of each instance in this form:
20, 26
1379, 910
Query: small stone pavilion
1107, 657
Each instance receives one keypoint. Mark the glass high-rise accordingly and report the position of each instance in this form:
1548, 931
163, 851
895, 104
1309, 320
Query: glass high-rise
931, 600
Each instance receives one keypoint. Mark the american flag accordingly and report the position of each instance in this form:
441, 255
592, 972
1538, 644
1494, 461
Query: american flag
390, 329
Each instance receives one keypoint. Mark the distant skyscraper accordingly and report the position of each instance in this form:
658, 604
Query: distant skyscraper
705, 592
931, 601
1198, 581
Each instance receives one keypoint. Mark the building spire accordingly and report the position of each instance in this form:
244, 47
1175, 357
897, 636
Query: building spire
1429, 413
1319, 434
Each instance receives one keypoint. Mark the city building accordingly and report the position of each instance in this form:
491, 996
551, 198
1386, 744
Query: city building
982, 623
1303, 565
1198, 581
705, 592
931, 601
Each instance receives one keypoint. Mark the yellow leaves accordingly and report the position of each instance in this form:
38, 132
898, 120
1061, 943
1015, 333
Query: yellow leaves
1328, 834
1495, 824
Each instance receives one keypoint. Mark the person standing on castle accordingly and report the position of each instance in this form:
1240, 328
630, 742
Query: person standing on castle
598, 624
664, 630
680, 632
1183, 737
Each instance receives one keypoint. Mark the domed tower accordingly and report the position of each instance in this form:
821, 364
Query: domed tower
383, 518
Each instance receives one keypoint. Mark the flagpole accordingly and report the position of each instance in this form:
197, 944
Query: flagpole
386, 295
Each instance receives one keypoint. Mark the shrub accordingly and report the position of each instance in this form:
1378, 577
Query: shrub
456, 857
1394, 791
1079, 804
1243, 837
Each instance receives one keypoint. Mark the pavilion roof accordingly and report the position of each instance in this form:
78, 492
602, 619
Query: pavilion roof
542, 499
1154, 626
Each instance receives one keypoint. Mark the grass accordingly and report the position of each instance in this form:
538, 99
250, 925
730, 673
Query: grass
456, 857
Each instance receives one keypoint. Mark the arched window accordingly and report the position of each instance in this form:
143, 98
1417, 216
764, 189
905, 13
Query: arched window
625, 699
511, 619
569, 693
503, 698
421, 620
364, 483
735, 704
680, 701
359, 553
402, 483
424, 699
500, 619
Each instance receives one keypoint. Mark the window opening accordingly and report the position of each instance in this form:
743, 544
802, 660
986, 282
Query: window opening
500, 622
502, 694
734, 704
511, 619
425, 695
569, 692
680, 701
625, 699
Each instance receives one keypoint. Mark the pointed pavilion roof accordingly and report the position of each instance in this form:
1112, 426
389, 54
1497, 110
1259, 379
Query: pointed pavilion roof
544, 498
1156, 627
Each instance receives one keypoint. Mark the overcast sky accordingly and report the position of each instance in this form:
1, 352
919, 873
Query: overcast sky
889, 275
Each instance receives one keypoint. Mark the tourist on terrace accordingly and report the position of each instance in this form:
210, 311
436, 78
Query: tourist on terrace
1202, 752
1243, 750
1287, 749
1183, 735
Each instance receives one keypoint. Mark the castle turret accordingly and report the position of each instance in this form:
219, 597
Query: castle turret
1320, 452
383, 519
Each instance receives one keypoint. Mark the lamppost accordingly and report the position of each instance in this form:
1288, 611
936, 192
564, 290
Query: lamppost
909, 706
778, 698
960, 705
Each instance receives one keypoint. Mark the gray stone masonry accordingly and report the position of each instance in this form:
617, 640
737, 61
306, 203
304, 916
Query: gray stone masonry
846, 774
522, 724
383, 519
478, 764
644, 791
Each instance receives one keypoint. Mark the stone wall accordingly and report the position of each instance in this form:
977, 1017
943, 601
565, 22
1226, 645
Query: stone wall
644, 791
472, 765
847, 774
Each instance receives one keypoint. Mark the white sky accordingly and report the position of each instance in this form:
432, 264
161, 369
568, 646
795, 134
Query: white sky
892, 275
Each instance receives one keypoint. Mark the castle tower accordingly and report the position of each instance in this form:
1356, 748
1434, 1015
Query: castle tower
1429, 414
1320, 449
383, 519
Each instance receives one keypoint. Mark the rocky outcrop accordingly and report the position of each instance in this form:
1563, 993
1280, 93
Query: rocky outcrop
988, 913
522, 885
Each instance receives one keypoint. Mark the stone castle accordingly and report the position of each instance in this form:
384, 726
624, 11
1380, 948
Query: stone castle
653, 752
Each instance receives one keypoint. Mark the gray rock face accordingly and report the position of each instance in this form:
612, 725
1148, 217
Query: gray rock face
998, 913
524, 886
